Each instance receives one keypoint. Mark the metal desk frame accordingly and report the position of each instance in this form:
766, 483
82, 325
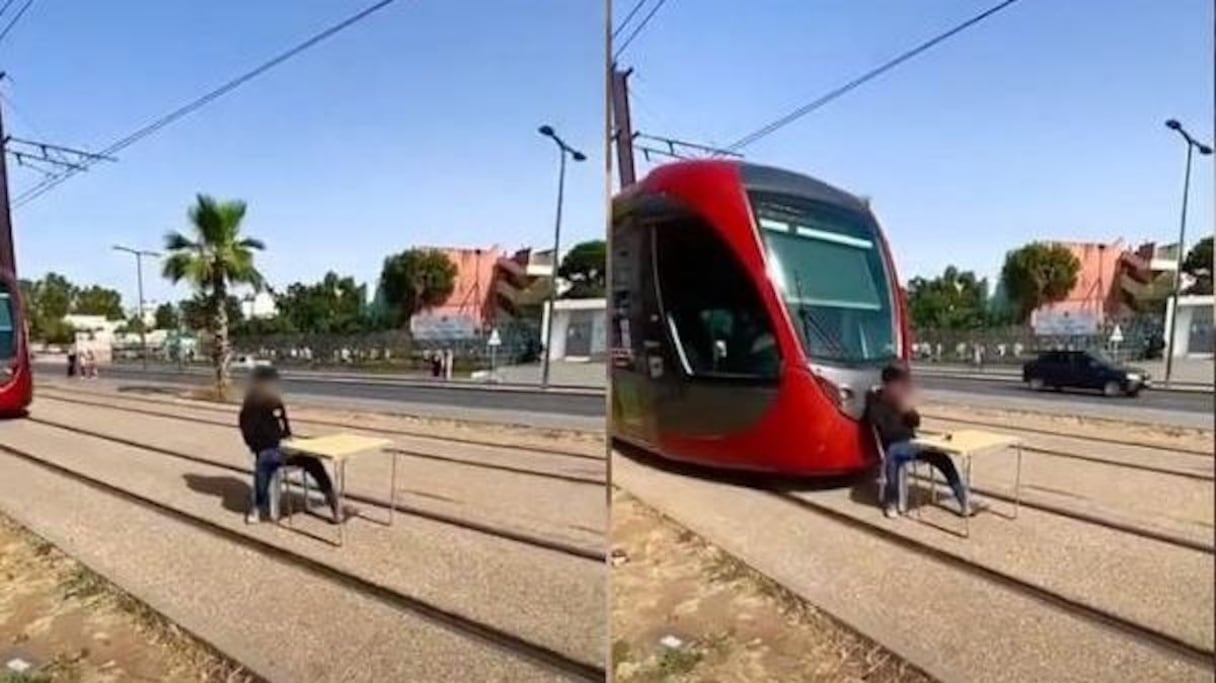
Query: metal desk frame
967, 456
338, 467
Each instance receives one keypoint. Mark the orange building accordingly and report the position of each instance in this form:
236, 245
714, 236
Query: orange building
491, 287
1111, 278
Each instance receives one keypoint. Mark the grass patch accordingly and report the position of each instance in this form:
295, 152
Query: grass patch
678, 662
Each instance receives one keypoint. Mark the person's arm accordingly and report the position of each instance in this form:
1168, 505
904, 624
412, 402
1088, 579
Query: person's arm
284, 423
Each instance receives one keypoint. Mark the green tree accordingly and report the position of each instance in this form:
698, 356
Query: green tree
196, 312
585, 268
47, 301
954, 300
212, 260
1038, 274
1198, 264
167, 317
416, 280
95, 300
335, 304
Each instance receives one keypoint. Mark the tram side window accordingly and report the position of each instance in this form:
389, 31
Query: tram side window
713, 313
8, 330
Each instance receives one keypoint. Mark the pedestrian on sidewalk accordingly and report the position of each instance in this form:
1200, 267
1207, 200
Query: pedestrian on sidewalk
891, 411
264, 426
73, 361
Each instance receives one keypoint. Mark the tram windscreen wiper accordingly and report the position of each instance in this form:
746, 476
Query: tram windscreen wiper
809, 323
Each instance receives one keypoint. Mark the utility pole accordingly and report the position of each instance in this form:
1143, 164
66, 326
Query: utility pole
139, 277
622, 129
8, 255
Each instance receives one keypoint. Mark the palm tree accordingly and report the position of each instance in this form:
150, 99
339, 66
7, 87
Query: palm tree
216, 258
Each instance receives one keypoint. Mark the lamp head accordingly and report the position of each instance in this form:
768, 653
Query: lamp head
546, 131
1204, 149
1173, 124
579, 156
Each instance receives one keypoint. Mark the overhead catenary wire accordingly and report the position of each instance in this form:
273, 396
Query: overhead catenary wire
835, 93
637, 29
16, 18
199, 102
620, 27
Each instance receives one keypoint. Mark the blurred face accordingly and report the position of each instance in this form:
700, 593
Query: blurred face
899, 390
265, 387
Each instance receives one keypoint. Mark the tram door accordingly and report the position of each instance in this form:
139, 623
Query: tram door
719, 344
634, 331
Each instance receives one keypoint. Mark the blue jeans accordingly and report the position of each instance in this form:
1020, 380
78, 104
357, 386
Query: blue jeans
268, 461
901, 453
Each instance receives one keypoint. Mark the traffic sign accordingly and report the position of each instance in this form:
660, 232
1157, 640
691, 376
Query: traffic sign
1116, 336
495, 340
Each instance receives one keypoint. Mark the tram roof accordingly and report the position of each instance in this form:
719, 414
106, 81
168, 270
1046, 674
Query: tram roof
781, 181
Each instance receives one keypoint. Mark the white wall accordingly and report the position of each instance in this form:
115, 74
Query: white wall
1187, 305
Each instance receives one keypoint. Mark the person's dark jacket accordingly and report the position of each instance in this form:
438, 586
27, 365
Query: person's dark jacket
892, 425
264, 424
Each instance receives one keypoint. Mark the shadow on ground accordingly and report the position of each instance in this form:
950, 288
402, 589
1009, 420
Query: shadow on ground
234, 494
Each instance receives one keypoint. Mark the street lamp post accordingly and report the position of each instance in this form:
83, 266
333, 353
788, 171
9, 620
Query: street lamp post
139, 255
565, 150
1191, 145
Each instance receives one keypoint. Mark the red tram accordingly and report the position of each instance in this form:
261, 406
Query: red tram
16, 379
752, 309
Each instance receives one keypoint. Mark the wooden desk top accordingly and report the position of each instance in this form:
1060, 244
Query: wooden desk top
967, 441
335, 446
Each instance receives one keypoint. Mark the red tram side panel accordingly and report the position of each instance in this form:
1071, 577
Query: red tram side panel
16, 378
752, 308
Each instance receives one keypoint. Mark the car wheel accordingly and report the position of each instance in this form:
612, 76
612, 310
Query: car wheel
1111, 389
1036, 384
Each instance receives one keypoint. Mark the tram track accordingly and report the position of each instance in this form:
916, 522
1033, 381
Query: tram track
1180, 450
229, 410
988, 566
1054, 599
514, 644
1088, 517
596, 481
516, 536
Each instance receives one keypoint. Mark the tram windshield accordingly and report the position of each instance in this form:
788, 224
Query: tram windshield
827, 263
8, 325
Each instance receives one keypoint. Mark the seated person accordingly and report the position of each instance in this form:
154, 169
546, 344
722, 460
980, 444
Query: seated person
890, 410
264, 425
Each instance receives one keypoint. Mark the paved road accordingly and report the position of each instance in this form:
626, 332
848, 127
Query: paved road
582, 404
588, 404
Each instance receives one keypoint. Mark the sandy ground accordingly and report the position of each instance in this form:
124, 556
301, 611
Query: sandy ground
731, 623
72, 625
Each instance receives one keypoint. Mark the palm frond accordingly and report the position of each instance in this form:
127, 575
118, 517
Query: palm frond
252, 243
175, 241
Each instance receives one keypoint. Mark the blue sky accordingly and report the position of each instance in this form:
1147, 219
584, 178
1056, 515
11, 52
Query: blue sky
1044, 121
416, 126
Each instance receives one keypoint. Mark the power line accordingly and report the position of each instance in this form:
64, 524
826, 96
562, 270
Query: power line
860, 80
5, 7
638, 29
11, 24
620, 27
198, 103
